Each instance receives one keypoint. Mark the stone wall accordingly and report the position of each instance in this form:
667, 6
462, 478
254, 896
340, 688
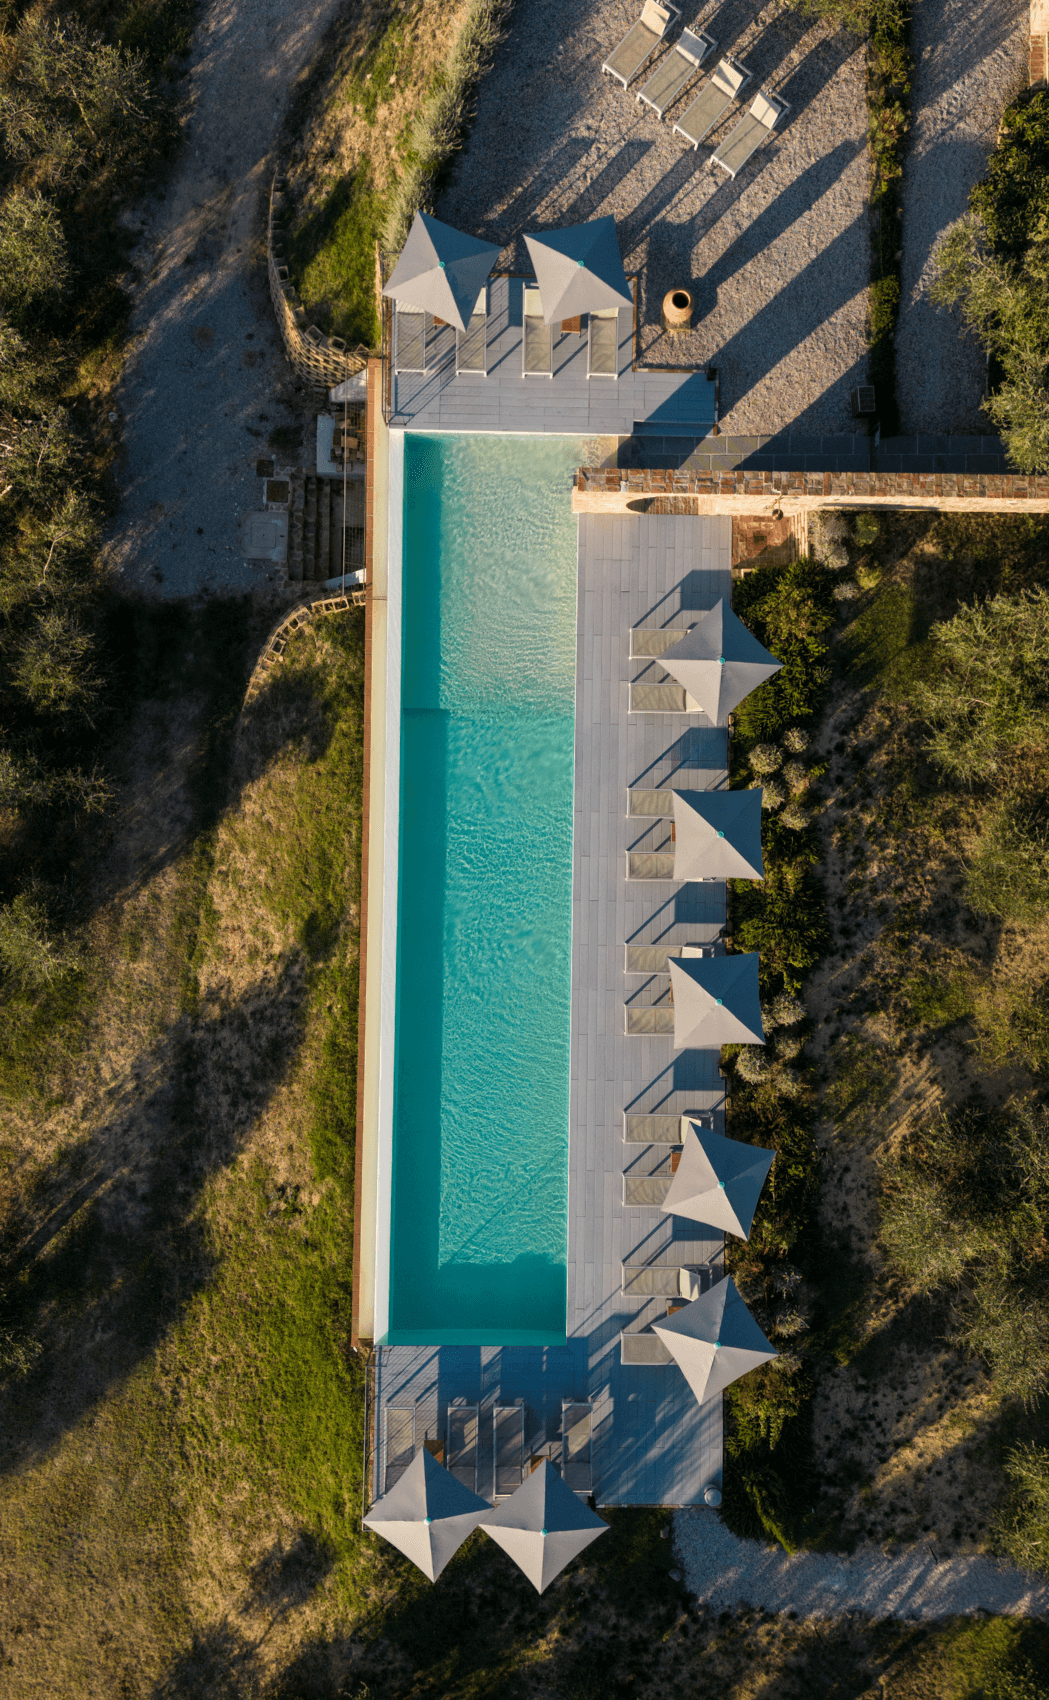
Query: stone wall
321, 360
784, 494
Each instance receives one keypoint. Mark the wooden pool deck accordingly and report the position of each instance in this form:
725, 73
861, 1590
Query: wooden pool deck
651, 1443
567, 402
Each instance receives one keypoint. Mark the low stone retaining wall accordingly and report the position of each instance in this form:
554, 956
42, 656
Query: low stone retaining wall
302, 615
322, 360
783, 494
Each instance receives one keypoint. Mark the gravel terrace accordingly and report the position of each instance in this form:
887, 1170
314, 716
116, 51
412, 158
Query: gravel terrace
724, 1571
972, 60
779, 258
206, 379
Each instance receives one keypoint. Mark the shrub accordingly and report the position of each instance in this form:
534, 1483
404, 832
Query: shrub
987, 696
866, 529
34, 259
787, 1046
765, 758
797, 776
846, 590
795, 817
1009, 872
752, 1064
789, 609
795, 740
1012, 202
1021, 1529
772, 796
788, 1009
30, 955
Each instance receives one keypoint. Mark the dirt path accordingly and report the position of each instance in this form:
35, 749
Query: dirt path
725, 1571
206, 381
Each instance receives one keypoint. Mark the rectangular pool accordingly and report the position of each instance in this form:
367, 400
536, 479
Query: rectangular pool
484, 909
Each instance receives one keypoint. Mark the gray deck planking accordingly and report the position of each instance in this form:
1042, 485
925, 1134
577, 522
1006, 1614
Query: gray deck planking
439, 399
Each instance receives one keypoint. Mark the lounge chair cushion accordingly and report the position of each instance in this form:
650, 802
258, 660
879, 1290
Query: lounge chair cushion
655, 17
767, 112
730, 77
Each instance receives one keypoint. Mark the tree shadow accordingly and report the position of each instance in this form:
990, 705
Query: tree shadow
104, 1254
219, 1664
286, 1576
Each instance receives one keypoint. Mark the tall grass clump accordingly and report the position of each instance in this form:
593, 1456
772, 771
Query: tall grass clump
437, 130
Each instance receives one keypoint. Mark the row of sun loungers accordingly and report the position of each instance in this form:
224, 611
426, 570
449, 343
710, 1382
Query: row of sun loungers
673, 73
511, 1461
413, 340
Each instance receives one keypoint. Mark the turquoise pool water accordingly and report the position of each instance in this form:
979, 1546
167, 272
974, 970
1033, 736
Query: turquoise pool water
480, 1146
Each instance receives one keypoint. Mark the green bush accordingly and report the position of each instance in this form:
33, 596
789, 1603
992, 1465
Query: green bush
1013, 199
31, 956
967, 1206
986, 696
791, 611
34, 259
1021, 1529
1009, 872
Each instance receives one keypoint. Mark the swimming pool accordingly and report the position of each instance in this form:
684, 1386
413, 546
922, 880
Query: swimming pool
484, 915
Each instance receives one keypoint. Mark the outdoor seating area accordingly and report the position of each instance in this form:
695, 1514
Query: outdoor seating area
473, 349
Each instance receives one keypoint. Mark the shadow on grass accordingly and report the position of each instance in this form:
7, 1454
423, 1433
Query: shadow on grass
104, 1255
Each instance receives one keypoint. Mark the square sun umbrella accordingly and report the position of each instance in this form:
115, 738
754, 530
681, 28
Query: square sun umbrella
716, 1001
718, 1181
714, 1340
441, 271
719, 662
543, 1526
427, 1515
717, 835
579, 270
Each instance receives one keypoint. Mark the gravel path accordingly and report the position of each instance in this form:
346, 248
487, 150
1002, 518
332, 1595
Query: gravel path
206, 380
779, 258
725, 1571
972, 60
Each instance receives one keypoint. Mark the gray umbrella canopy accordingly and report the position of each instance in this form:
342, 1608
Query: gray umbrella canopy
719, 662
441, 271
718, 1181
715, 1340
579, 270
543, 1526
716, 1001
427, 1515
717, 835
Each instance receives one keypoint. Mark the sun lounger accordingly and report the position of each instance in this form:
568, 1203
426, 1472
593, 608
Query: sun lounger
713, 101
756, 124
576, 1435
660, 699
640, 42
665, 1280
602, 344
662, 1130
538, 339
471, 350
462, 1444
641, 1346
409, 341
647, 642
646, 1021
400, 1443
654, 958
641, 1192
673, 72
508, 1447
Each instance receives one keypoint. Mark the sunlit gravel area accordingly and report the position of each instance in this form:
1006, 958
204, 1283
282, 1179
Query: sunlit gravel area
778, 258
971, 58
724, 1571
